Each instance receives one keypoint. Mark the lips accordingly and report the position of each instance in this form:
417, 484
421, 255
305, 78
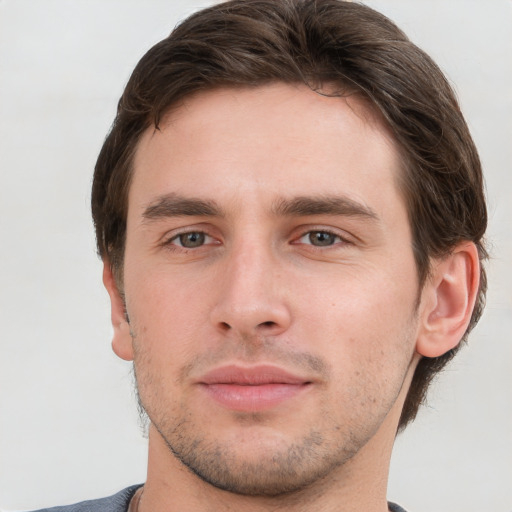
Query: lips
252, 389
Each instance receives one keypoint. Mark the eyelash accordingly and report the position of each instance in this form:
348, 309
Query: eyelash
171, 242
338, 238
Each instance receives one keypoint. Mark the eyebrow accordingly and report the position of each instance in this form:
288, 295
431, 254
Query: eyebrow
304, 206
174, 205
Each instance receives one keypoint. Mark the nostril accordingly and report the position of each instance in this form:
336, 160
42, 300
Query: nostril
268, 324
225, 326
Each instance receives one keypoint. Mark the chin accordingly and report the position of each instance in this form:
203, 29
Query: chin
259, 466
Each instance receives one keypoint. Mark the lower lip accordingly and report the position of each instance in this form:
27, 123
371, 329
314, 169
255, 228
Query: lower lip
253, 398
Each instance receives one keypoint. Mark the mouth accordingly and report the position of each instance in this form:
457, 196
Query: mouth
252, 389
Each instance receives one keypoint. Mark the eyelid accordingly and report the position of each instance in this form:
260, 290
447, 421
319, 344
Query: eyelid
344, 237
169, 237
334, 235
179, 235
340, 233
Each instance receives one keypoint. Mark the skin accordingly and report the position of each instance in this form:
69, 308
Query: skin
325, 289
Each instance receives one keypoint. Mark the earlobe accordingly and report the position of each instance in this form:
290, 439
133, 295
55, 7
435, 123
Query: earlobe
448, 299
122, 339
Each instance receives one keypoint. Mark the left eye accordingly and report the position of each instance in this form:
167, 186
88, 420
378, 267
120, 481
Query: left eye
190, 240
320, 238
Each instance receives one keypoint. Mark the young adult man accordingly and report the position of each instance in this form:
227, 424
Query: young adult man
290, 212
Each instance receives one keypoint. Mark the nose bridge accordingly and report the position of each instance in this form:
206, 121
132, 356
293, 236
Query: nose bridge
251, 298
250, 262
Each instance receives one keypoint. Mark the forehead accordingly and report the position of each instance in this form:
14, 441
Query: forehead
275, 139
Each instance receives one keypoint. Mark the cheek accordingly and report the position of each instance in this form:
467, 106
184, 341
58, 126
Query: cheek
361, 297
363, 322
162, 295
369, 343
167, 314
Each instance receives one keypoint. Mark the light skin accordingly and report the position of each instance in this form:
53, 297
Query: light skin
275, 315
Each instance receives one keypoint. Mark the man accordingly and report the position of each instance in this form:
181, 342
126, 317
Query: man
290, 212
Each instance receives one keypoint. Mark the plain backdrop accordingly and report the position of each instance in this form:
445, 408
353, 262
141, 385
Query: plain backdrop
68, 422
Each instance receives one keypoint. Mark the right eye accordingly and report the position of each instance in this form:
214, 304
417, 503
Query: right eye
190, 240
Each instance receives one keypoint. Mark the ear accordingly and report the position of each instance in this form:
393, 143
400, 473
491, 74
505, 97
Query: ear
448, 299
122, 339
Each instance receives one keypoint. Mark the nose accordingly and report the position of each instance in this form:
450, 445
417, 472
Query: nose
251, 296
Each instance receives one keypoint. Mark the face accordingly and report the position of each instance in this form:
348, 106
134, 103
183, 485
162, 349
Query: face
270, 284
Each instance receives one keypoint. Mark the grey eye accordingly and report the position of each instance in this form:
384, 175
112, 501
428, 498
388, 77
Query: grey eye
322, 238
191, 240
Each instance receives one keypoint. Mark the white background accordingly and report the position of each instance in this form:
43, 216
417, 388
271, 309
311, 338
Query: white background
68, 422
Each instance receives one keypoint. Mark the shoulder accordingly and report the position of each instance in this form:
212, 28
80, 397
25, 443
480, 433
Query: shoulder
117, 503
393, 507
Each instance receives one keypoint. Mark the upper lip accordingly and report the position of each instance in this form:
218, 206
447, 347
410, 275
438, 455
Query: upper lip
251, 376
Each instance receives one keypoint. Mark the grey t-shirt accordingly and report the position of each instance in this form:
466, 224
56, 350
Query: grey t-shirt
117, 503
121, 501
393, 507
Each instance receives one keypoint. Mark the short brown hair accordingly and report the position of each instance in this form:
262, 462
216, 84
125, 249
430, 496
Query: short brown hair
314, 42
